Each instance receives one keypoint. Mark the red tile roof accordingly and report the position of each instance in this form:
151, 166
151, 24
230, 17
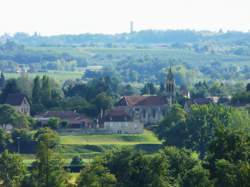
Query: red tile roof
117, 114
72, 117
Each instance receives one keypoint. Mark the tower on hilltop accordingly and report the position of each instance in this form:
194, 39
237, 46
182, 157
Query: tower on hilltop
131, 27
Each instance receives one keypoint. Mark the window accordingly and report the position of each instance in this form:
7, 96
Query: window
154, 113
137, 109
144, 113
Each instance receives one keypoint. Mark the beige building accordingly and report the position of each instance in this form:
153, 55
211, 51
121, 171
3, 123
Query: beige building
146, 109
133, 112
19, 102
150, 109
120, 122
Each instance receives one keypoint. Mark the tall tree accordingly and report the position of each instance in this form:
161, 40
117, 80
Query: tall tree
8, 115
36, 91
135, 169
46, 90
2, 80
96, 175
10, 87
185, 168
197, 129
4, 139
229, 156
48, 169
103, 102
12, 169
148, 89
248, 87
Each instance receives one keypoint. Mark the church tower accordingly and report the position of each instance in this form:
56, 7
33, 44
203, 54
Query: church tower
170, 86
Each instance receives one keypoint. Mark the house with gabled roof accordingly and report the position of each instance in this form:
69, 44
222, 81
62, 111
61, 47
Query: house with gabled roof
20, 102
146, 109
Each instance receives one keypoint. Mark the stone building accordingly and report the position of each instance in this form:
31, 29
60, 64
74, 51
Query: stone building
150, 109
19, 102
120, 122
133, 112
146, 109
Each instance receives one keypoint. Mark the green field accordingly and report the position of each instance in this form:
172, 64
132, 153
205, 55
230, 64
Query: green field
90, 146
114, 139
164, 54
59, 76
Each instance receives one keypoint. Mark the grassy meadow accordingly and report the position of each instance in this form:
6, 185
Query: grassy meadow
59, 76
111, 139
90, 146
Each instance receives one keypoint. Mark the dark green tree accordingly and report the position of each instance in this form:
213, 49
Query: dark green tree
135, 169
96, 175
185, 168
2, 80
196, 129
103, 102
248, 87
36, 92
46, 90
229, 157
173, 127
77, 161
12, 170
48, 169
149, 89
8, 115
4, 139
53, 123
10, 87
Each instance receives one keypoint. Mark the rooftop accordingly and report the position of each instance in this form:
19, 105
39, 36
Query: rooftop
15, 99
142, 101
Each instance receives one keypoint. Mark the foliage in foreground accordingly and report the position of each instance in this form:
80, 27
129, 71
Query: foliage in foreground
196, 129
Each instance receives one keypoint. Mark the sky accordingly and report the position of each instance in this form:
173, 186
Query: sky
51, 17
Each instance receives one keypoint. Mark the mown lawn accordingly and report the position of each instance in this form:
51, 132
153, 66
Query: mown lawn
113, 139
90, 146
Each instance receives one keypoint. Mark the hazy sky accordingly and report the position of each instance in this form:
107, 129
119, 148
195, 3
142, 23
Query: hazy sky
113, 16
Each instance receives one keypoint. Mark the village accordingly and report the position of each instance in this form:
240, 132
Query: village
130, 115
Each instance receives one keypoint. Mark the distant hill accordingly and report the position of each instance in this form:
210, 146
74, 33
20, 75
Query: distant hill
141, 38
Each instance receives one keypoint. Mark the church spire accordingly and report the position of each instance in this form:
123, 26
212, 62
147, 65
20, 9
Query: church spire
170, 84
170, 75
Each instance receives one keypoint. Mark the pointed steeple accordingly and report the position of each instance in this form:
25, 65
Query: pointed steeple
170, 84
170, 75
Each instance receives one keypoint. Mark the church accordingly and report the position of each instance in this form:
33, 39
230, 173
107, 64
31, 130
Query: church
143, 109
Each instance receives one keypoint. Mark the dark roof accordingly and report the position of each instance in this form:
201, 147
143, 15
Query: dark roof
72, 117
224, 100
15, 99
118, 115
142, 101
200, 101
59, 114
